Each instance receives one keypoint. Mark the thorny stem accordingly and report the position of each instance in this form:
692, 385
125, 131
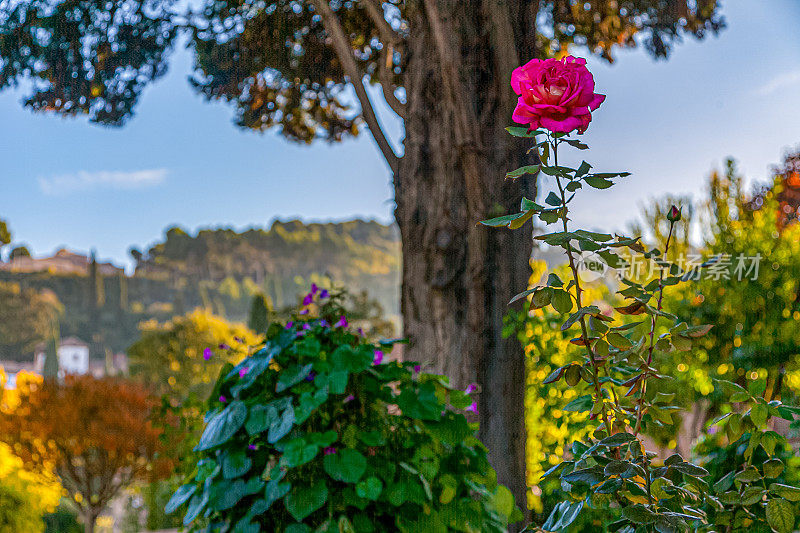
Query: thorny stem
646, 373
578, 292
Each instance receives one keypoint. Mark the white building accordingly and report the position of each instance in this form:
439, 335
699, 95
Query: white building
73, 357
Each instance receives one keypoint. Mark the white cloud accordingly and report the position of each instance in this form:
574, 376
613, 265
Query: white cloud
103, 179
781, 81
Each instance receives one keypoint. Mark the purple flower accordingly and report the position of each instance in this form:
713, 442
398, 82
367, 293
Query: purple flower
471, 388
308, 299
378, 357
306, 326
417, 369
239, 340
360, 332
323, 294
252, 446
223, 399
207, 354
243, 371
324, 323
304, 312
329, 450
342, 323
314, 288
289, 325
224, 346
473, 408
311, 375
349, 398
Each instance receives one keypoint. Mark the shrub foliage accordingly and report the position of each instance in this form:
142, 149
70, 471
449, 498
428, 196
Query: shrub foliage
316, 431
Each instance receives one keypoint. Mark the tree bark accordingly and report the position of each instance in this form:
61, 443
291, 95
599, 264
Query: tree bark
89, 519
458, 276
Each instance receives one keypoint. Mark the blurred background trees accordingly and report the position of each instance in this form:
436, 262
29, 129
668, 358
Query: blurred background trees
96, 435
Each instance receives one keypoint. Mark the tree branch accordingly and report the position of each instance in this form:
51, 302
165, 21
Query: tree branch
341, 44
385, 77
375, 11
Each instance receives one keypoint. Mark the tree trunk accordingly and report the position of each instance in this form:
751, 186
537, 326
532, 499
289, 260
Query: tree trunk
458, 276
89, 519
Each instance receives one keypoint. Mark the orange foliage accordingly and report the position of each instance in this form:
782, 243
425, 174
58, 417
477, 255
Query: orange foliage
95, 434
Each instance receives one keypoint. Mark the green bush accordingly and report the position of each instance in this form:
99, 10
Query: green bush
315, 431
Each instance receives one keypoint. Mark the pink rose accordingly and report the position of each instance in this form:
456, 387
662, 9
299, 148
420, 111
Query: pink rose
555, 94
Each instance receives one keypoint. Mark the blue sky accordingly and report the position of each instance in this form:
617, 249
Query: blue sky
182, 161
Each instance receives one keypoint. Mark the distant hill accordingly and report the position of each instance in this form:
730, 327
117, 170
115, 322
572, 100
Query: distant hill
220, 269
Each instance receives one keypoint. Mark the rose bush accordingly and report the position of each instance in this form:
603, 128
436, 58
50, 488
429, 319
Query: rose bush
555, 94
612, 366
318, 431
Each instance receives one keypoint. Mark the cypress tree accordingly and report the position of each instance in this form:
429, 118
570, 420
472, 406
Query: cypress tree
260, 309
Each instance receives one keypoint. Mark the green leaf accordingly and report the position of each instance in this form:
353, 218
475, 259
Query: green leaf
619, 341
597, 182
542, 297
337, 381
522, 131
639, 514
572, 375
554, 281
780, 515
274, 491
748, 475
724, 483
224, 495
555, 375
617, 439
302, 501
579, 404
292, 376
281, 426
521, 171
502, 220
785, 491
196, 506
561, 301
759, 414
298, 451
345, 465
370, 488
553, 199
260, 418
235, 465
622, 469
563, 515
752, 495
590, 476
223, 426
520, 221
523, 294
690, 469
181, 496
737, 397
773, 468
550, 216
503, 501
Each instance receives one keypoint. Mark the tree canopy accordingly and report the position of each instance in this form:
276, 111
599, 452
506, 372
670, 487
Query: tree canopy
281, 63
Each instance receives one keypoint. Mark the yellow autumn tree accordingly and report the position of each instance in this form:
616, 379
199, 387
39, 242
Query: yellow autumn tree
25, 496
